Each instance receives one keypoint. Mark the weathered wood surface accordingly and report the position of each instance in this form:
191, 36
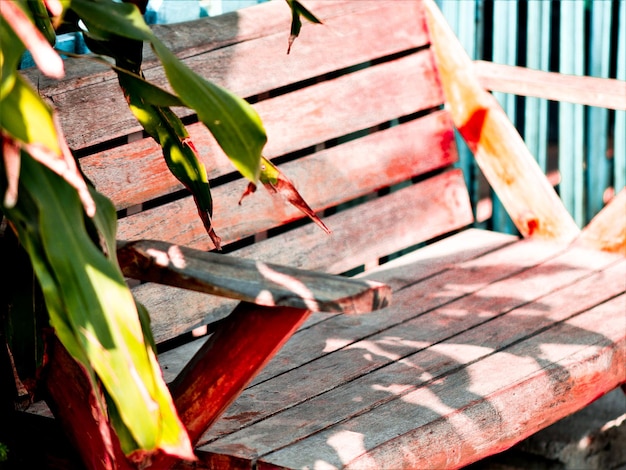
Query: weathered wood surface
488, 338
313, 116
499, 150
228, 360
244, 51
607, 230
256, 282
455, 358
360, 234
591, 91
136, 172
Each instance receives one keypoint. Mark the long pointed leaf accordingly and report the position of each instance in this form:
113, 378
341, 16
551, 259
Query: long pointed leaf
233, 122
92, 309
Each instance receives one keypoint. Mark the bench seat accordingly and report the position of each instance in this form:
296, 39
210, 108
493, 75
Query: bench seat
483, 346
488, 337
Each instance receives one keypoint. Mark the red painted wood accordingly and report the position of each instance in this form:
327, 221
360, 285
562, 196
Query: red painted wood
227, 50
367, 164
73, 403
264, 284
360, 235
134, 173
498, 148
216, 374
421, 353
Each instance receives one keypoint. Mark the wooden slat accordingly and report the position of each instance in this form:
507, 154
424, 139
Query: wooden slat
396, 344
136, 172
361, 234
499, 150
591, 91
255, 282
426, 262
488, 411
215, 375
330, 340
253, 64
378, 228
337, 113
192, 38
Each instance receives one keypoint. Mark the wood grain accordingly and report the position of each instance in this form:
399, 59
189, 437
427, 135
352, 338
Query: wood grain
580, 373
218, 372
248, 63
325, 180
423, 263
607, 230
423, 311
591, 91
500, 152
488, 339
259, 283
535, 303
134, 173
401, 219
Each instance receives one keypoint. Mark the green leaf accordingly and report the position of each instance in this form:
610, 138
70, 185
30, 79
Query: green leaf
146, 91
27, 118
106, 19
235, 125
233, 122
11, 50
42, 20
92, 309
178, 150
298, 10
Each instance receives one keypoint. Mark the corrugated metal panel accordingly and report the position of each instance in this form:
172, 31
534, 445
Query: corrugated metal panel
597, 128
571, 116
505, 39
619, 147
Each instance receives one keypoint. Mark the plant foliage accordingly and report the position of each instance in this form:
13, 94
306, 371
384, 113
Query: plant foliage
68, 228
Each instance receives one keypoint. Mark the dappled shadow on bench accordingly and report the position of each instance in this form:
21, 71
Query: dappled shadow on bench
441, 353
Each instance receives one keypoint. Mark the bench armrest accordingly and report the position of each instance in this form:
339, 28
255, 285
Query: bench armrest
248, 280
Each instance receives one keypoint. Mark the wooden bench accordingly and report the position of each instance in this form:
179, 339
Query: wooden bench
488, 338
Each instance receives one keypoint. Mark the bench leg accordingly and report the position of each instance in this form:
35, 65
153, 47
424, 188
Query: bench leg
73, 403
227, 362
244, 342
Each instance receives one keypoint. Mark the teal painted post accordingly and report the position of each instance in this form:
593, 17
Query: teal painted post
619, 144
505, 29
571, 116
537, 57
598, 171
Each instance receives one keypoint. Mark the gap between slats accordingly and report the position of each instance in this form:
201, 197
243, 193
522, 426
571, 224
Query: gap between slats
586, 279
342, 43
358, 233
136, 173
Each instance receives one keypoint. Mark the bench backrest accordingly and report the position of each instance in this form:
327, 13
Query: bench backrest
354, 115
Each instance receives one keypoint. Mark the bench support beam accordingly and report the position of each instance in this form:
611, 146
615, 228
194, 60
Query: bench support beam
245, 341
